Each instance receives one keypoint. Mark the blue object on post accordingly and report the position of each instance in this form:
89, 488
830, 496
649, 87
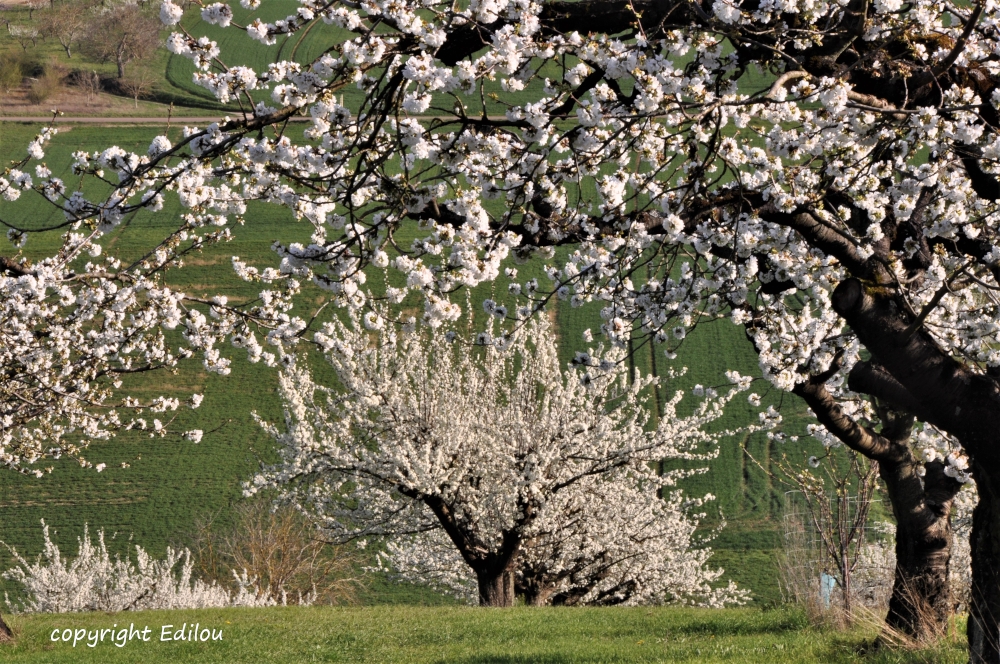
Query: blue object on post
826, 586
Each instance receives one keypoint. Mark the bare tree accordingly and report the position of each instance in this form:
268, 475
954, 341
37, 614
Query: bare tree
837, 504
89, 82
66, 23
138, 83
32, 6
281, 550
122, 34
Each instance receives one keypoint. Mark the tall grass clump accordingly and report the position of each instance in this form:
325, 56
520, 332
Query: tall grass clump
12, 71
47, 84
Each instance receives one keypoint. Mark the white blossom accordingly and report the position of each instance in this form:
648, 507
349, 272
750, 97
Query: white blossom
502, 446
94, 580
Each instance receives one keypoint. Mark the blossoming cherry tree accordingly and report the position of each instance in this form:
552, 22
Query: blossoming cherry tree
524, 473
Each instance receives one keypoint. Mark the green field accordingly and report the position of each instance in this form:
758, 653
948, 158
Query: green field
170, 482
410, 635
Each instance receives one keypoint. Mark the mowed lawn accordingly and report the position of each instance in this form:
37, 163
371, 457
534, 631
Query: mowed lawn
464, 634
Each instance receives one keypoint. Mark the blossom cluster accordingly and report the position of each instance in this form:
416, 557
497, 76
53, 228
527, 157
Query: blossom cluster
645, 147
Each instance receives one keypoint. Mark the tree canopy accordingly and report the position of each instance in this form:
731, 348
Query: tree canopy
531, 476
822, 173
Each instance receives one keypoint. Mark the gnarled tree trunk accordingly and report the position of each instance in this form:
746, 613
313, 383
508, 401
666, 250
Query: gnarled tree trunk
920, 604
6, 636
531, 586
494, 569
963, 402
496, 588
984, 616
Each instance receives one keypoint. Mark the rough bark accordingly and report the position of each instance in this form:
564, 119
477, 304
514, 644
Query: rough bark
496, 587
921, 601
960, 401
920, 604
536, 595
533, 585
946, 393
6, 635
493, 569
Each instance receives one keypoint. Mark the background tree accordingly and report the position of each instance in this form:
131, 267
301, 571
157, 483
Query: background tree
23, 35
66, 22
89, 82
33, 6
139, 82
614, 542
837, 506
121, 33
48, 82
492, 447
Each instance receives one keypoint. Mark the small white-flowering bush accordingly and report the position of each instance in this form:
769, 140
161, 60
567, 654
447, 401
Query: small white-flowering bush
876, 565
97, 581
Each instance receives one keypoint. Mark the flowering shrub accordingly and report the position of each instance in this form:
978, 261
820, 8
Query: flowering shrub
96, 581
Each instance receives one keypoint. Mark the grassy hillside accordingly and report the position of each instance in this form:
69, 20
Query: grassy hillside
169, 483
496, 636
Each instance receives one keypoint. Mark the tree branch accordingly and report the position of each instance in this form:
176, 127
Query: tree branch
945, 392
860, 439
11, 267
956, 50
823, 237
873, 380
